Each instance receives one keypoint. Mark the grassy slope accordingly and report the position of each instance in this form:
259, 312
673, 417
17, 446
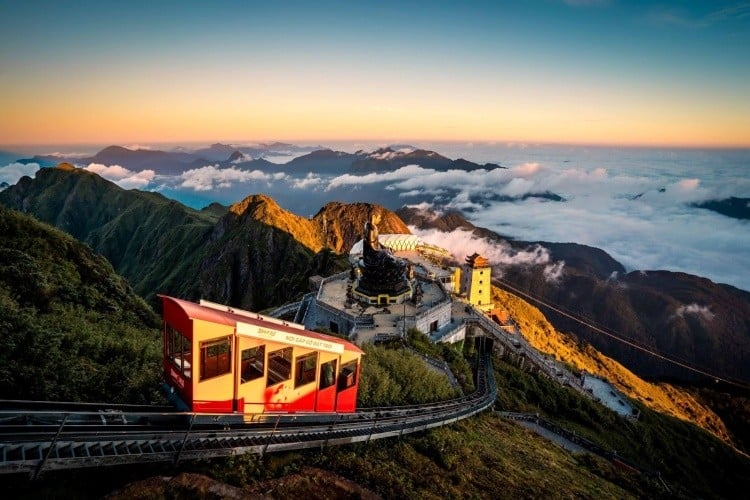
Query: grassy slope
152, 241
71, 328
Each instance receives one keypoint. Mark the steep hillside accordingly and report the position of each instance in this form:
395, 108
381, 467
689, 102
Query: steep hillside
152, 241
253, 255
336, 226
343, 223
260, 255
664, 398
684, 316
72, 328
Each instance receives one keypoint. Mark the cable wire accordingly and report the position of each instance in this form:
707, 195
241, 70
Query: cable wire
619, 338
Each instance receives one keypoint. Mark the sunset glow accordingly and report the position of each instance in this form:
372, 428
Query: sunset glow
542, 71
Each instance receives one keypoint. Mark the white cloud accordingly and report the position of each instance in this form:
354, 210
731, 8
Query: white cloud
461, 243
703, 312
402, 173
281, 158
311, 180
427, 209
553, 272
58, 154
212, 177
126, 179
242, 159
409, 194
12, 172
641, 215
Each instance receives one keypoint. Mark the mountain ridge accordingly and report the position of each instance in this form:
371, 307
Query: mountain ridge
685, 316
161, 246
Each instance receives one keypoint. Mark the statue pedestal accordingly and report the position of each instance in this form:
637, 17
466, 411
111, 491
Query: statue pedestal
384, 278
383, 285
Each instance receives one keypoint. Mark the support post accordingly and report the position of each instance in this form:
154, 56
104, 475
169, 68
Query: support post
184, 440
39, 467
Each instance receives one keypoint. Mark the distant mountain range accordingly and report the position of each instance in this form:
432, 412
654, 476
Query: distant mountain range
386, 159
737, 208
318, 160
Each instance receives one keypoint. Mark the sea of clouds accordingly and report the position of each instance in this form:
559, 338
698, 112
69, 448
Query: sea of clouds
636, 204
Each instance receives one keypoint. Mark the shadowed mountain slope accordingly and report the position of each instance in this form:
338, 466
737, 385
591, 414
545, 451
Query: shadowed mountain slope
253, 255
72, 329
260, 255
149, 239
706, 324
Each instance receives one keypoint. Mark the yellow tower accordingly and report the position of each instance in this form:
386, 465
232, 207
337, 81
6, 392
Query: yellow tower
475, 283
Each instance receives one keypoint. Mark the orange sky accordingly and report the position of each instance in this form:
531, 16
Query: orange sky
536, 71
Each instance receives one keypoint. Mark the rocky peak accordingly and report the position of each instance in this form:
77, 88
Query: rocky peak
336, 226
236, 155
66, 166
343, 223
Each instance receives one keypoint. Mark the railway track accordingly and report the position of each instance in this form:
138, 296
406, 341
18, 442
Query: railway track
37, 437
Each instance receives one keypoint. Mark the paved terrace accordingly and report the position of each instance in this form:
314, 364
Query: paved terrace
386, 320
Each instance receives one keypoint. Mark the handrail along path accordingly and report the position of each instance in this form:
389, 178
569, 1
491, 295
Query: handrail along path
37, 437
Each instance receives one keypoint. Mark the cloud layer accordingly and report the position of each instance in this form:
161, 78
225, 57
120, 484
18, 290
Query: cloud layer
12, 172
636, 206
126, 179
460, 242
213, 177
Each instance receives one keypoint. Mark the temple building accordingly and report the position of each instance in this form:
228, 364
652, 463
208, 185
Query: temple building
396, 282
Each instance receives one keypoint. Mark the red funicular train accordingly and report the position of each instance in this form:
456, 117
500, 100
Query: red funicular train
219, 360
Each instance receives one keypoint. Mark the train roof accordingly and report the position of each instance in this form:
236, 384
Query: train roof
254, 324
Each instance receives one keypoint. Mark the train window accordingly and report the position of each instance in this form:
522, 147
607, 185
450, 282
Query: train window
178, 350
216, 357
327, 374
253, 363
348, 375
305, 369
279, 366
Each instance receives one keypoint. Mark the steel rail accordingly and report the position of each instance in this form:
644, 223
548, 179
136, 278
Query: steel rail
41, 440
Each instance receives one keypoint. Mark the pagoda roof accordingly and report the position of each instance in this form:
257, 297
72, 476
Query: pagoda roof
476, 260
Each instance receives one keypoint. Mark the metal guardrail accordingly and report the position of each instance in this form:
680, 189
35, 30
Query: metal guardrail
518, 344
440, 365
36, 441
285, 309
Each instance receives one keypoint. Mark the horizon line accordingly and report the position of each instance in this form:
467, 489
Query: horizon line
321, 142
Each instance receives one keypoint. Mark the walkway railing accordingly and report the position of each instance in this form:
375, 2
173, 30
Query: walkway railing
35, 441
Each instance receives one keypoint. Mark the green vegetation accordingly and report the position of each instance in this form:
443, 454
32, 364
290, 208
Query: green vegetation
397, 377
488, 457
72, 329
152, 241
452, 354
688, 458
481, 457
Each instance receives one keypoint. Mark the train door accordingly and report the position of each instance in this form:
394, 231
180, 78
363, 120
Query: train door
251, 376
276, 395
346, 384
326, 398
